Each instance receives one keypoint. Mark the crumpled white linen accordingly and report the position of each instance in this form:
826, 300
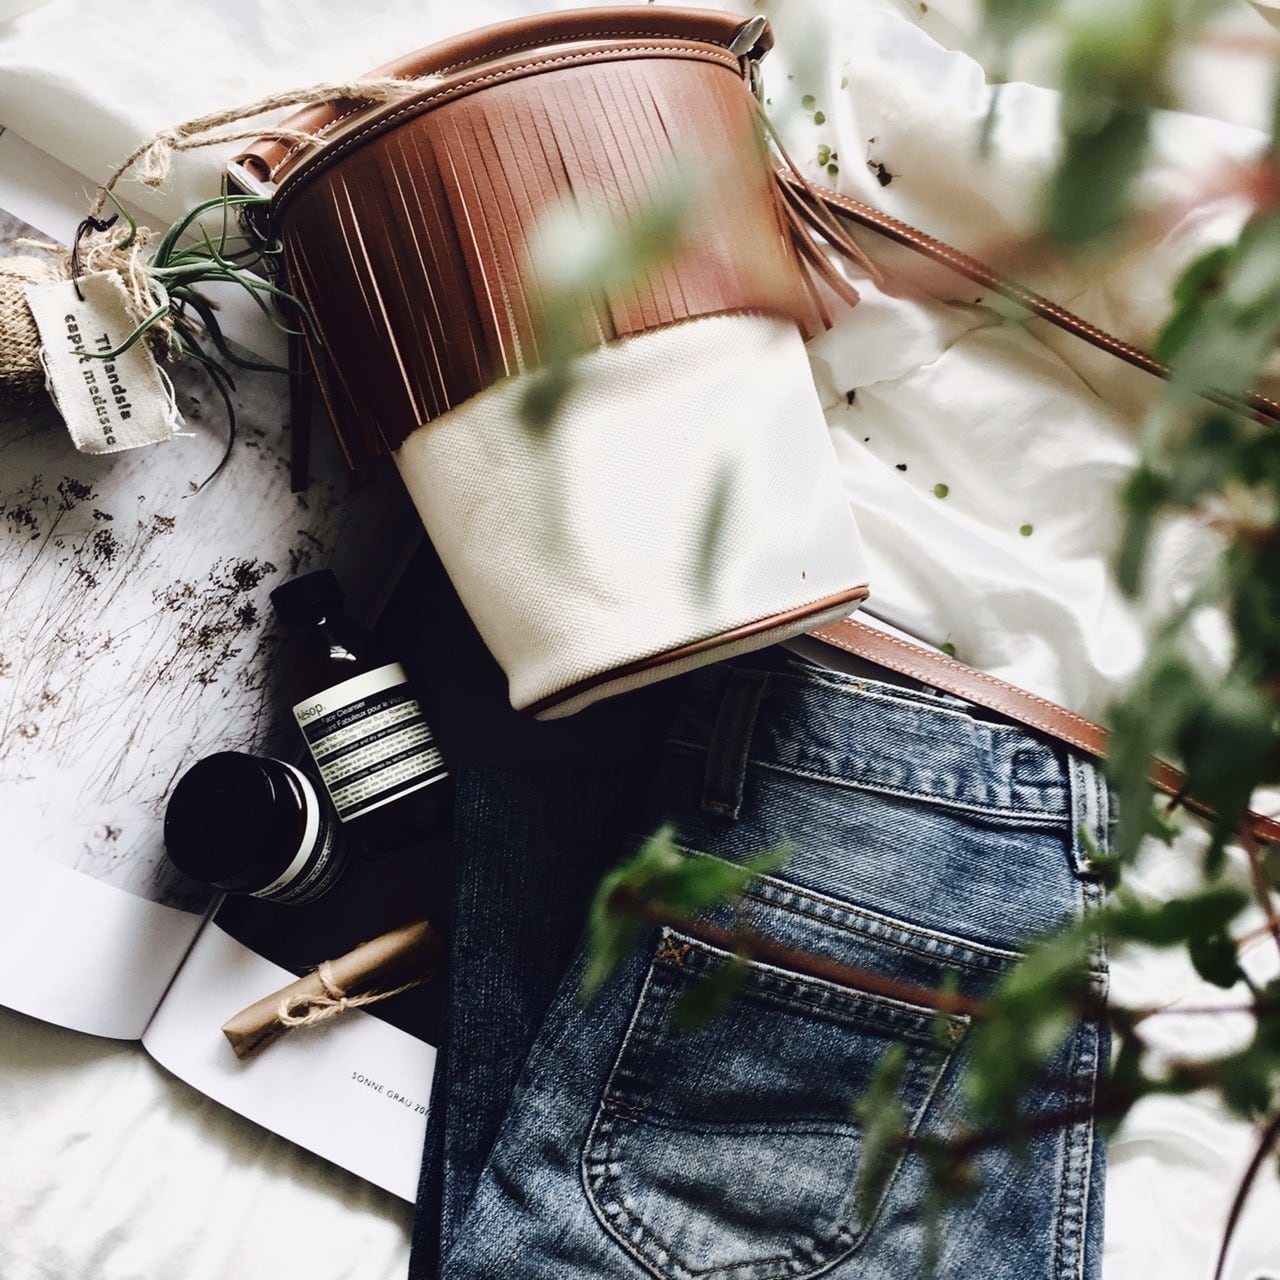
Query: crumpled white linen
89, 82
111, 1169
1022, 425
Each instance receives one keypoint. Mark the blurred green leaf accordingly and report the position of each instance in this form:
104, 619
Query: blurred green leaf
1088, 196
1005, 21
1032, 1011
544, 394
1248, 1080
659, 875
711, 994
1168, 694
705, 581
1195, 288
1216, 958
1128, 1081
1271, 865
1206, 457
880, 1112
1229, 747
1195, 917
1234, 330
1144, 494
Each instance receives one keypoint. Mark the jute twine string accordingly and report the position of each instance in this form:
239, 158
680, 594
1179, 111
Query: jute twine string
335, 1000
21, 371
124, 250
152, 160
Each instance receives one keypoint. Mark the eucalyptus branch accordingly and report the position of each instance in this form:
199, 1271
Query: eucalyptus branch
958, 1150
756, 947
1137, 1016
1261, 885
746, 942
1266, 1144
1268, 926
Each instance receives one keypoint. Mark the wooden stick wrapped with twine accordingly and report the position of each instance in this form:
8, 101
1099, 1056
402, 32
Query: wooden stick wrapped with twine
405, 958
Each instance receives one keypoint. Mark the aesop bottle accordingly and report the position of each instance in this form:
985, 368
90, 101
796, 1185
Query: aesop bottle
360, 719
250, 824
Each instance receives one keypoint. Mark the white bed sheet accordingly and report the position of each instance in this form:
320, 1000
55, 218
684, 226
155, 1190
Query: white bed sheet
111, 1168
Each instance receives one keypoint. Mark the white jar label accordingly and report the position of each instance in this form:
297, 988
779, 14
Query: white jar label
369, 740
321, 855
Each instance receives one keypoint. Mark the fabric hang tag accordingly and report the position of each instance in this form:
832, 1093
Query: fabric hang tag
107, 404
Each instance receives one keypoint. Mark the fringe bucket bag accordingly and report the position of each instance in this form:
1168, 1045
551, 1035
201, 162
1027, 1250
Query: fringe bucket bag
683, 503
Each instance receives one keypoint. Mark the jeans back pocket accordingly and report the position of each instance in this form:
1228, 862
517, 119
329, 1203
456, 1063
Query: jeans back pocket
729, 1151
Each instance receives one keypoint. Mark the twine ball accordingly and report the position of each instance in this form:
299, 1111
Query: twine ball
21, 373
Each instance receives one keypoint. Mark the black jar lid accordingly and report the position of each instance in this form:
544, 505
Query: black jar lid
307, 598
233, 821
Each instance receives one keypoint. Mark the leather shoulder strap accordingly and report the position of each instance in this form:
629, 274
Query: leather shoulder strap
816, 204
1026, 708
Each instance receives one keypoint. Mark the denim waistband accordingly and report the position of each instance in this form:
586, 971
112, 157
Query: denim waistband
777, 711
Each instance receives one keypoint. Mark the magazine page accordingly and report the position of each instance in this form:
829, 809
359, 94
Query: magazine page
353, 1087
137, 637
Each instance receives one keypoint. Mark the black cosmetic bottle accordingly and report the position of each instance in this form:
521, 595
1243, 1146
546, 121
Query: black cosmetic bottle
251, 824
361, 721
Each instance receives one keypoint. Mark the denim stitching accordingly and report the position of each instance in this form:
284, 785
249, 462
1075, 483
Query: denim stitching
1003, 816
828, 998
632, 1240
729, 747
1091, 808
600, 1151
802, 1124
1044, 817
843, 915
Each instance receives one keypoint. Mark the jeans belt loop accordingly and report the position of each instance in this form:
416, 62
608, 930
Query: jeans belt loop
726, 771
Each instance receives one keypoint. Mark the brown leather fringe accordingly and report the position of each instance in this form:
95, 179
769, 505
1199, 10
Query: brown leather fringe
409, 243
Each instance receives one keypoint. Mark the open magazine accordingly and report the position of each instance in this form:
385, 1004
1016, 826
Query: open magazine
138, 637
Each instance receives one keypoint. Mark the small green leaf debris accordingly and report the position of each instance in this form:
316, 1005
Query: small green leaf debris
1026, 530
941, 490
819, 117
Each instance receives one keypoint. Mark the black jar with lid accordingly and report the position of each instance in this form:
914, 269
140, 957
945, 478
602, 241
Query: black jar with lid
361, 720
252, 824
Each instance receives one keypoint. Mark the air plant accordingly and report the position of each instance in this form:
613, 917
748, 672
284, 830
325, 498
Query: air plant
194, 252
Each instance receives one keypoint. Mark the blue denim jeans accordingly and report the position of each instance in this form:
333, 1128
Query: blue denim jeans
930, 843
